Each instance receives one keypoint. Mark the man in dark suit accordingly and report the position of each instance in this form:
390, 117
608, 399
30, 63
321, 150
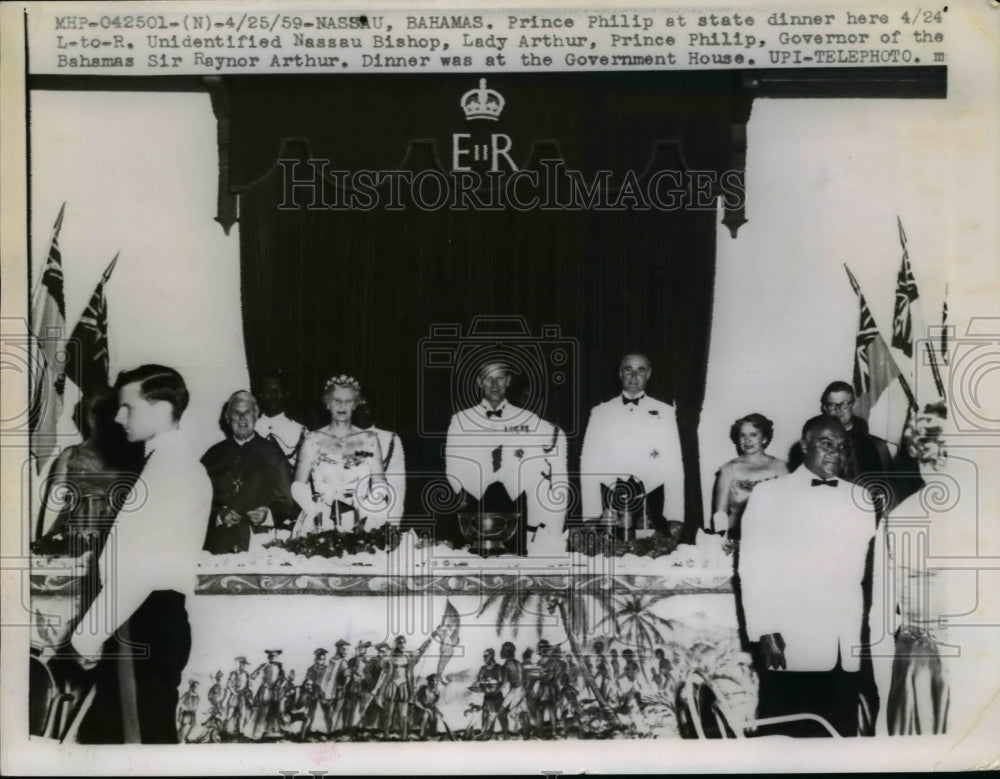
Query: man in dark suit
251, 483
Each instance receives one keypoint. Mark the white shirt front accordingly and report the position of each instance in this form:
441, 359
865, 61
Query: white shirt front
639, 440
522, 452
155, 542
802, 559
286, 433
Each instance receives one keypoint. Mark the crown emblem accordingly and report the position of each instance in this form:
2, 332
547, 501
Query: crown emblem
482, 103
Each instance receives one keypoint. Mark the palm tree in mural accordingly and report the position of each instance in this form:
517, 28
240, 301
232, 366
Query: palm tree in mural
573, 605
636, 625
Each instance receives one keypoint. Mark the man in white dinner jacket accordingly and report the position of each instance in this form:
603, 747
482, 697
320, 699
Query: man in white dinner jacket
802, 561
500, 457
634, 437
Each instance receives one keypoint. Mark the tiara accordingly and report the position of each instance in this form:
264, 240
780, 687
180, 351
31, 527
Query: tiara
343, 380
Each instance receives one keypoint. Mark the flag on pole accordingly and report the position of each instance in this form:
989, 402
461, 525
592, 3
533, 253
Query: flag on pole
874, 366
87, 348
447, 636
906, 296
944, 327
47, 341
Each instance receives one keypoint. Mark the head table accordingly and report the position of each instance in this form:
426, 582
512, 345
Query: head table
290, 648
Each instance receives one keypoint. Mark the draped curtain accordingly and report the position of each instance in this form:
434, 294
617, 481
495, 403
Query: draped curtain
409, 300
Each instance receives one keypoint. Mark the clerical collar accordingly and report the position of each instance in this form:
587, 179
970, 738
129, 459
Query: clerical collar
243, 442
161, 441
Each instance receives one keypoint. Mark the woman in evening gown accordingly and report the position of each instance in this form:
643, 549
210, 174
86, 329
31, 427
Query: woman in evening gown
339, 482
737, 478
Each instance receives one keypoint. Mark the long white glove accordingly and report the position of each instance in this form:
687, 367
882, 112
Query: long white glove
302, 495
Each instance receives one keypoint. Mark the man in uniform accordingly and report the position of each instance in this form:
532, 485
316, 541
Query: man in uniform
631, 456
251, 484
805, 539
273, 423
501, 458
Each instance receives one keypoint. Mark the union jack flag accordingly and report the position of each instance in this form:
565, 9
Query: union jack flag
874, 367
906, 296
88, 359
46, 378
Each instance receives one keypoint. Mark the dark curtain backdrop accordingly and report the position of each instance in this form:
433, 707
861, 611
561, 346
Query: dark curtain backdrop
408, 301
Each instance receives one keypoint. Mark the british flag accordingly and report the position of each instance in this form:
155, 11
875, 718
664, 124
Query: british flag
906, 296
46, 377
88, 359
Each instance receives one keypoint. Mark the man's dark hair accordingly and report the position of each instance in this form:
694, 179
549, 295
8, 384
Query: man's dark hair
759, 421
821, 422
158, 382
836, 386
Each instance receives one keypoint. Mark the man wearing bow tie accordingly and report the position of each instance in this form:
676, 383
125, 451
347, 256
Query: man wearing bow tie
633, 438
802, 561
503, 458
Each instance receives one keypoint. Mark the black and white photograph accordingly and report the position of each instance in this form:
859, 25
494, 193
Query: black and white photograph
378, 377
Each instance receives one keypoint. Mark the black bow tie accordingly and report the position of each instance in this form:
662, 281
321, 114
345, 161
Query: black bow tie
824, 482
496, 413
634, 401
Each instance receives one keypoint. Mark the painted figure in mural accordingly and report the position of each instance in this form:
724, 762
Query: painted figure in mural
305, 705
187, 708
630, 697
489, 681
425, 711
286, 696
211, 727
238, 699
552, 687
330, 685
266, 720
273, 424
662, 668
375, 677
514, 709
339, 480
313, 675
530, 676
602, 671
397, 688
354, 685
616, 673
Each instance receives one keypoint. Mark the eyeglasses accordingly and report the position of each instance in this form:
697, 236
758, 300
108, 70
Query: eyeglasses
843, 406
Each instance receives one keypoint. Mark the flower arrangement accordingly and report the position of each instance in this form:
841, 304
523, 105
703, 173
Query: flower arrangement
333, 543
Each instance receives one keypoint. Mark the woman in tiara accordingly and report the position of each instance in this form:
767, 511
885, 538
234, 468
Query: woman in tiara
339, 482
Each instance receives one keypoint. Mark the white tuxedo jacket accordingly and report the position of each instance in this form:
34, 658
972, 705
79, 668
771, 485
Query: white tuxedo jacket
633, 440
802, 559
531, 459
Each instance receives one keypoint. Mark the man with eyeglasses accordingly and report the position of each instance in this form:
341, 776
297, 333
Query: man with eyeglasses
837, 401
802, 561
